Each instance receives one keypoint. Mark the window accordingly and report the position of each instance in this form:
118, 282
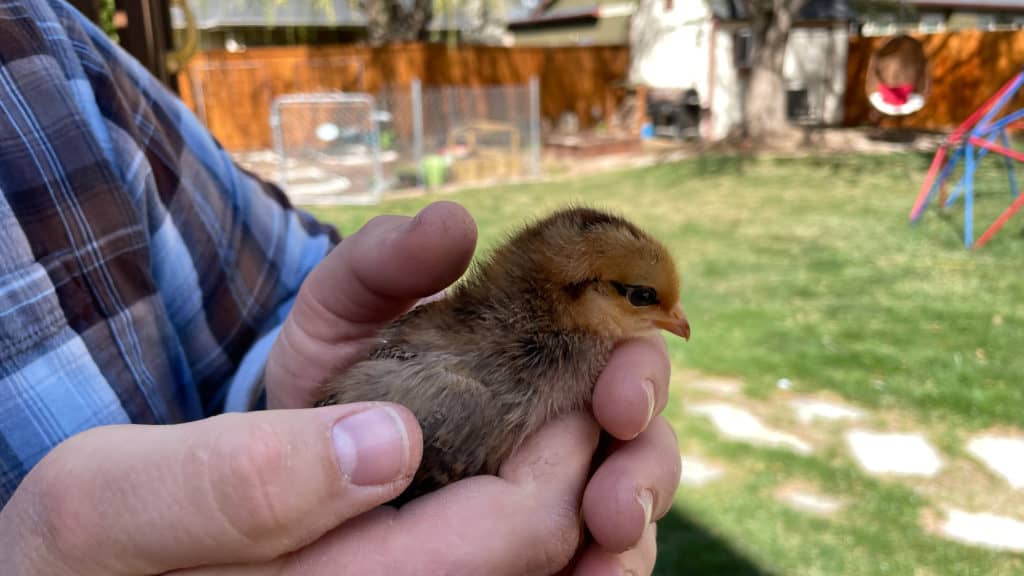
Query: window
743, 46
881, 24
798, 104
932, 22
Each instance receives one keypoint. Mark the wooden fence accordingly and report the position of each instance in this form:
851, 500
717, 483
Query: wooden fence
233, 92
966, 67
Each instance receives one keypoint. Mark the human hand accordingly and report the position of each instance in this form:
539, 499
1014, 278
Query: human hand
634, 486
236, 488
522, 522
382, 270
371, 278
281, 492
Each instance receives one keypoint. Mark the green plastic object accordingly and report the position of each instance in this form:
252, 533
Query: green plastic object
434, 168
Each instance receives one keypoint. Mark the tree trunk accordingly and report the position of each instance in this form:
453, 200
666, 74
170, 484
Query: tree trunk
377, 21
482, 22
395, 21
765, 110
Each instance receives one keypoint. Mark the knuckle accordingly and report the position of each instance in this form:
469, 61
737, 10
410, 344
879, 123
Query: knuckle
246, 477
377, 225
561, 539
55, 501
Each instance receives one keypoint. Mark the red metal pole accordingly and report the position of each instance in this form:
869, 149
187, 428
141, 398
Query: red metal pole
973, 118
1003, 218
1018, 156
955, 138
926, 187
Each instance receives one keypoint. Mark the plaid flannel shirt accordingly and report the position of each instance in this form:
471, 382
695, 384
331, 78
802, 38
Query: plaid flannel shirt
143, 275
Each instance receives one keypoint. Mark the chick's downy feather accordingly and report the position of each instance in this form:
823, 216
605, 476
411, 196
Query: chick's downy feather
522, 339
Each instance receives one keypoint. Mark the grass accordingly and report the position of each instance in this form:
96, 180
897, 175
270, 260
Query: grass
807, 269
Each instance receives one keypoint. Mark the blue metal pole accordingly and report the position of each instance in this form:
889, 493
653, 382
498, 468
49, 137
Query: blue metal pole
1010, 168
1006, 121
983, 126
955, 194
944, 175
969, 196
982, 152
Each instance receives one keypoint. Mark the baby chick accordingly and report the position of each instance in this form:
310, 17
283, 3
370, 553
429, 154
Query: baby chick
520, 341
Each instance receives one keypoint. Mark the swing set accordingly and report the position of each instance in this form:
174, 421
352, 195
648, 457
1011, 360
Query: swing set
984, 132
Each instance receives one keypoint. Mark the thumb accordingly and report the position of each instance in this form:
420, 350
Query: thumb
525, 521
233, 488
370, 279
391, 262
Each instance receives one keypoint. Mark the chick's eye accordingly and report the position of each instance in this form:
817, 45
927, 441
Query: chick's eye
643, 296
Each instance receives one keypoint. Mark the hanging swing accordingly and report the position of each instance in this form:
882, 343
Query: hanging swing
898, 81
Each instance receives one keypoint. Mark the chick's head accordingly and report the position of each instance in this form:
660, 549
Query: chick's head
607, 276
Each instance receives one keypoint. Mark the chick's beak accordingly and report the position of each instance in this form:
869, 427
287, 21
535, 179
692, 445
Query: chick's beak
675, 322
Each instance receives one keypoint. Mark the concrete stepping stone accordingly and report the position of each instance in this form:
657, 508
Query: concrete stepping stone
894, 454
810, 501
1002, 455
808, 410
739, 424
696, 472
986, 530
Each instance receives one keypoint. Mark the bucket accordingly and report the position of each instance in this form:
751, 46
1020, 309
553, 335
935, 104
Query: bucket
434, 168
647, 131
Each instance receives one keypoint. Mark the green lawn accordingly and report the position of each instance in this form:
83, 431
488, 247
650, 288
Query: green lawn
807, 269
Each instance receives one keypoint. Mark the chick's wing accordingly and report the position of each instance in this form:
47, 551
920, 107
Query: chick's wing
454, 411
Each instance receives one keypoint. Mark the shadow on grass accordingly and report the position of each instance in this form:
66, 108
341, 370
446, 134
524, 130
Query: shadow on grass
685, 547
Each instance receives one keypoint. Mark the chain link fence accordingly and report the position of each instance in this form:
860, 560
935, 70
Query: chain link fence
463, 134
329, 148
228, 95
334, 143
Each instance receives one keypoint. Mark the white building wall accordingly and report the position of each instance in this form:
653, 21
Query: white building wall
672, 49
728, 90
669, 48
816, 60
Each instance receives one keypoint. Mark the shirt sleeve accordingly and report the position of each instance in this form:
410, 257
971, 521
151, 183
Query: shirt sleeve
228, 250
143, 274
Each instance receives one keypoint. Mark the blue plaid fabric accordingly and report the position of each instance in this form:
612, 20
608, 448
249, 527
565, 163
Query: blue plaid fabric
143, 275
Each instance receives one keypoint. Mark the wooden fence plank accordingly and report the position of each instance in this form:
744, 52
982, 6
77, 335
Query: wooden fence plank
966, 68
232, 92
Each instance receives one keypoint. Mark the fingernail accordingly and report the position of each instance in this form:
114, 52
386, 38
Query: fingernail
648, 386
646, 499
372, 446
630, 573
